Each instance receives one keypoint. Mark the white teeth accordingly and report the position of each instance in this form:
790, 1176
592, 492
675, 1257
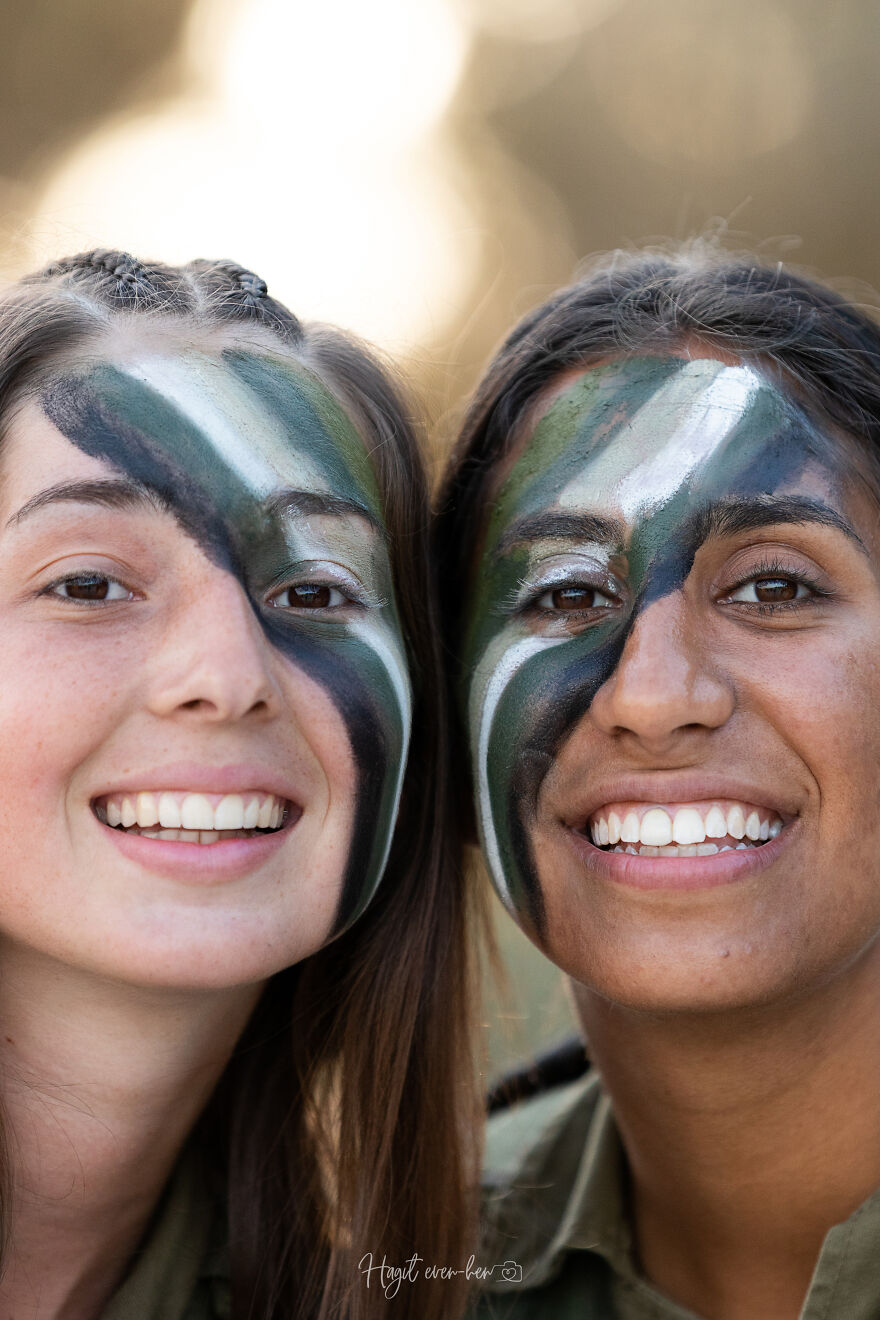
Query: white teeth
764, 832
648, 851
208, 836
603, 832
169, 812
613, 827
753, 825
775, 828
736, 822
147, 810
716, 824
706, 849
631, 849
188, 836
656, 827
196, 812
688, 826
228, 814
629, 830
193, 811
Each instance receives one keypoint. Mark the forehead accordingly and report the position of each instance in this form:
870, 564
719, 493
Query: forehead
633, 434
248, 421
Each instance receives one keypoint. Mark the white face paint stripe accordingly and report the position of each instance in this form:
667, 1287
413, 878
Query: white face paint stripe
243, 432
483, 717
703, 403
381, 640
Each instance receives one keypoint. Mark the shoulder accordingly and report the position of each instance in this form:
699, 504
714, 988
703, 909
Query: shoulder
533, 1154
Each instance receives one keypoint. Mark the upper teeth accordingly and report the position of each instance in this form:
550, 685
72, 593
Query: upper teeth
690, 824
193, 811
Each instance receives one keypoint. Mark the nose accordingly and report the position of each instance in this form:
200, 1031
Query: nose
666, 683
214, 662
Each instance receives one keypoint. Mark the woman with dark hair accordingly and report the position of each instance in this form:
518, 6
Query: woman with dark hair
235, 1060
660, 553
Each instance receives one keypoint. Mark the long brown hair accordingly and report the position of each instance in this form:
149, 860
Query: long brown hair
344, 1122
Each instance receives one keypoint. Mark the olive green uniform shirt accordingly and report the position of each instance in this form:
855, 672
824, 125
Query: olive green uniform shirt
555, 1209
179, 1271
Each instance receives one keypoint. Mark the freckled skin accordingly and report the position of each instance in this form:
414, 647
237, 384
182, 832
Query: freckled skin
293, 434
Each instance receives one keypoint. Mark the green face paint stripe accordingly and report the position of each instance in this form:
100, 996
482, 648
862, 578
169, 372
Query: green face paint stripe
585, 419
116, 416
313, 418
520, 696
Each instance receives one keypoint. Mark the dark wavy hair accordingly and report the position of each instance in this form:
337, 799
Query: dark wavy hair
658, 300
344, 1120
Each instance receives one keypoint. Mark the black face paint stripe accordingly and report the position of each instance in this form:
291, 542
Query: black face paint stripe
118, 420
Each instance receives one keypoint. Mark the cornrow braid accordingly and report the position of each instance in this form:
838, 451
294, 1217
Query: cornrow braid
118, 279
234, 293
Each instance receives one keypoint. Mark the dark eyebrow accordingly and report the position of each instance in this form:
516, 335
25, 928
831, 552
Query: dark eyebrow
730, 517
318, 502
562, 526
110, 494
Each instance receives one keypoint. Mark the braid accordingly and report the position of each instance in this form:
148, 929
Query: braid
234, 293
120, 280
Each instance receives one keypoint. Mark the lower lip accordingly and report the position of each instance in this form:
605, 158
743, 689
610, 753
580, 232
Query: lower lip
681, 873
200, 863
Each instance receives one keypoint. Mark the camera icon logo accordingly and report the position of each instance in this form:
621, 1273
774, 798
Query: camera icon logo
510, 1271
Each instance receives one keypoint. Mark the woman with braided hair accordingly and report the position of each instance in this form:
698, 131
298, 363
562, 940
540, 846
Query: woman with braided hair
235, 1059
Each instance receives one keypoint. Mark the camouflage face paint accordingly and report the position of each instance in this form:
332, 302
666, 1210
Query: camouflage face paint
262, 467
632, 467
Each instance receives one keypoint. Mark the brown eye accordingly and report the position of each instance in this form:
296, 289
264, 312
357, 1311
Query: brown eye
308, 596
89, 587
573, 598
564, 600
771, 590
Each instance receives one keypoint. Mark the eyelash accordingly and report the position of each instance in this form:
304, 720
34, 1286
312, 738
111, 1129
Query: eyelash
83, 579
51, 590
531, 602
776, 569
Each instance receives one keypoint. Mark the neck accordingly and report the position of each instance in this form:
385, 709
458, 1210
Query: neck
100, 1085
748, 1136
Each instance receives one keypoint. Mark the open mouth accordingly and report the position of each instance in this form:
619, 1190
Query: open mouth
689, 829
200, 818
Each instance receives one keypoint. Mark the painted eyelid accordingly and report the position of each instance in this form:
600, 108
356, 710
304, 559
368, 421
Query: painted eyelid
321, 573
580, 574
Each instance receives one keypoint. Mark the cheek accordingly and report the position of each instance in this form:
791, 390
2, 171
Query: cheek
317, 726
59, 700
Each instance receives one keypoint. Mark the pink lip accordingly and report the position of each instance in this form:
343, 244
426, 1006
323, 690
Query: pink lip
662, 787
196, 777
680, 873
200, 863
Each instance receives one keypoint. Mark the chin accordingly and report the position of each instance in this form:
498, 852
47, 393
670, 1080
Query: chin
670, 974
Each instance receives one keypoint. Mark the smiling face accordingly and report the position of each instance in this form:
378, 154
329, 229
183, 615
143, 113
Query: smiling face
672, 691
204, 702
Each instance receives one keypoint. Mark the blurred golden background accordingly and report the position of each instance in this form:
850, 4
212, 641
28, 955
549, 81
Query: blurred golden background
424, 171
